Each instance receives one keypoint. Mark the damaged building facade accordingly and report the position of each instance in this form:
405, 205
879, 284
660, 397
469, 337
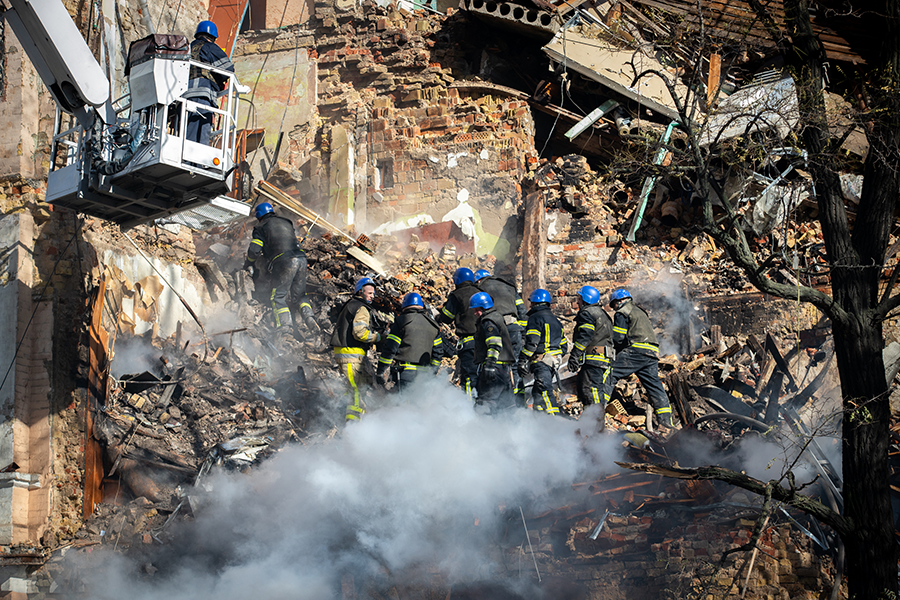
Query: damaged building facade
444, 135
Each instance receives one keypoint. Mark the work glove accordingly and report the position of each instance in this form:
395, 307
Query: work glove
251, 271
241, 89
489, 368
574, 364
381, 373
522, 368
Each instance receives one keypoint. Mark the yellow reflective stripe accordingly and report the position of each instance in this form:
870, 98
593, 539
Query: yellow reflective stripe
522, 323
579, 346
447, 313
533, 332
437, 342
519, 301
302, 304
663, 410
493, 353
409, 367
468, 339
385, 361
547, 338
527, 352
587, 326
355, 407
350, 350
494, 340
552, 352
596, 357
435, 363
645, 346
621, 330
595, 395
394, 338
251, 259
257, 242
278, 256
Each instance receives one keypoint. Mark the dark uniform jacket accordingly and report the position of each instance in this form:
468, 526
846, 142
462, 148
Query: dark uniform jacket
593, 336
273, 238
632, 329
414, 339
343, 330
506, 300
492, 339
202, 83
543, 334
456, 310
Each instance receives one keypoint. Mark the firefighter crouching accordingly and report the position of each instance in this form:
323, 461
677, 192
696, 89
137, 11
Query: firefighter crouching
414, 344
542, 353
592, 352
493, 356
274, 239
637, 351
354, 334
456, 311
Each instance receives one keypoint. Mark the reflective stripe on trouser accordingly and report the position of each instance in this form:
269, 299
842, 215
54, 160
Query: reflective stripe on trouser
542, 391
407, 373
354, 370
468, 370
646, 367
594, 387
283, 272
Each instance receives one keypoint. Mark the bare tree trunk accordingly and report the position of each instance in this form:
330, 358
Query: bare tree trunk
856, 270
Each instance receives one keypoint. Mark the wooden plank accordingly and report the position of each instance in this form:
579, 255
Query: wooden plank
765, 374
734, 349
98, 341
534, 244
757, 348
715, 335
773, 393
772, 348
715, 74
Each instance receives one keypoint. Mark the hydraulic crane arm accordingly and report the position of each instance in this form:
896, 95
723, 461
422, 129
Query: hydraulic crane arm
60, 56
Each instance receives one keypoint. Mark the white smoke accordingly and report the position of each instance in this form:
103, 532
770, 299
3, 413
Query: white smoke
424, 482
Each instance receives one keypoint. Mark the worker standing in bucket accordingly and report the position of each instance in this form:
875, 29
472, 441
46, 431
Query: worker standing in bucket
274, 239
456, 310
413, 345
493, 356
204, 86
592, 351
541, 355
637, 351
354, 333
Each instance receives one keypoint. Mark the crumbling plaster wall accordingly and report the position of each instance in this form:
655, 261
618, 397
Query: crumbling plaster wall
394, 139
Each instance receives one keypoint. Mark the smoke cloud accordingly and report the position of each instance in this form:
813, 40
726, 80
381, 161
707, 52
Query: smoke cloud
424, 482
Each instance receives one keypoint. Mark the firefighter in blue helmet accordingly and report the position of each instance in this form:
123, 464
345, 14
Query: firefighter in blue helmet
541, 355
456, 310
508, 302
205, 86
637, 351
592, 351
354, 333
274, 240
493, 356
413, 345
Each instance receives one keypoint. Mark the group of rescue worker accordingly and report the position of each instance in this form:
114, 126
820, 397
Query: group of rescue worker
500, 344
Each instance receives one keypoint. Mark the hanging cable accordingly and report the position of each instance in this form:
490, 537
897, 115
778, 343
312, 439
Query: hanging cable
180, 297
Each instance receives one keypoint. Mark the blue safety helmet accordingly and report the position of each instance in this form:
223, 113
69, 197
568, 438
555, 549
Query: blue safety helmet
619, 294
463, 274
589, 294
540, 295
207, 27
262, 210
412, 299
362, 282
481, 274
481, 300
